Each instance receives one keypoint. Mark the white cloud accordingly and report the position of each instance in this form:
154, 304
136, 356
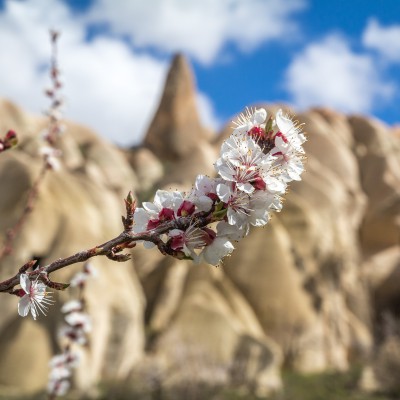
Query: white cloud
25, 48
112, 90
199, 28
109, 88
385, 40
328, 73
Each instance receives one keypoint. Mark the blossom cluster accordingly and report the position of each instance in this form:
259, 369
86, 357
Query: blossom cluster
73, 334
55, 128
255, 166
61, 366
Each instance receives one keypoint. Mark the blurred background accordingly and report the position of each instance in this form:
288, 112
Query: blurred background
307, 308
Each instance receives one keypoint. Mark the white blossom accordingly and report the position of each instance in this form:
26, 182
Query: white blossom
255, 165
79, 320
153, 214
230, 232
289, 160
60, 372
35, 299
249, 120
237, 204
204, 192
217, 250
73, 334
242, 161
191, 239
72, 305
290, 130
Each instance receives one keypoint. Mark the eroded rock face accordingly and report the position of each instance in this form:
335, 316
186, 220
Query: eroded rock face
296, 293
74, 211
205, 333
301, 273
377, 148
377, 151
382, 272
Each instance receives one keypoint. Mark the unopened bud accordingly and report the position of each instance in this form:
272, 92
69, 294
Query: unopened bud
119, 257
10, 139
28, 265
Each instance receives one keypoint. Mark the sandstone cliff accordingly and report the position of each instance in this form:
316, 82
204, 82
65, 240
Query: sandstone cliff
307, 292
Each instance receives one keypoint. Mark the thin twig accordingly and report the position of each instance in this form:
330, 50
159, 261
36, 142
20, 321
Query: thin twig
13, 232
115, 245
53, 131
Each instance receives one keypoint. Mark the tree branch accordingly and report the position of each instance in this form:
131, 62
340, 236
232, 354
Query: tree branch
125, 240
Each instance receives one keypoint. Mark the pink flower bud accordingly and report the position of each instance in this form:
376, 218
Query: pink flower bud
187, 208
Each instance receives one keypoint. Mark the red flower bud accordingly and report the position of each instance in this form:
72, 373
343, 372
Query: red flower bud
186, 208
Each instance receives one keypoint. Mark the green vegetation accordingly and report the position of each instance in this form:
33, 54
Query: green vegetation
323, 386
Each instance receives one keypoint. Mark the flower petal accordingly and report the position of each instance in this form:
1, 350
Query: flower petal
217, 250
285, 124
25, 283
24, 306
260, 116
224, 192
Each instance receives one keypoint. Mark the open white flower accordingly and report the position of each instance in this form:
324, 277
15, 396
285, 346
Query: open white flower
289, 159
237, 204
191, 239
242, 161
290, 130
249, 119
163, 209
204, 192
35, 298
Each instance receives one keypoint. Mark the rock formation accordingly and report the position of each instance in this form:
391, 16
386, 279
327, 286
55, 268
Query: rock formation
310, 291
176, 135
78, 207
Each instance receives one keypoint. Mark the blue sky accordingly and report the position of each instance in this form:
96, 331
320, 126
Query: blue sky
115, 54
